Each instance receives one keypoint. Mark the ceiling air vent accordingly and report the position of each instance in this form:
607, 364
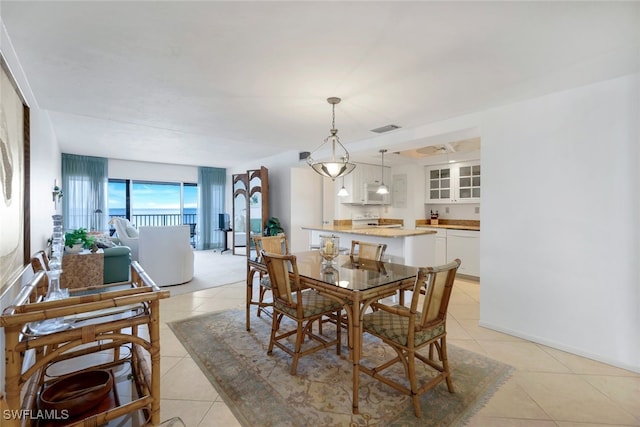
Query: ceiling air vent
386, 128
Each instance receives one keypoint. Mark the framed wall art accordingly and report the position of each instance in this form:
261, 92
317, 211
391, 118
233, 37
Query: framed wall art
15, 235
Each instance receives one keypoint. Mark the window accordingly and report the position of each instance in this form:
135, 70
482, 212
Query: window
150, 203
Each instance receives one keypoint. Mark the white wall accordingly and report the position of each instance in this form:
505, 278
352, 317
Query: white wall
45, 152
560, 229
306, 205
280, 196
45, 168
146, 171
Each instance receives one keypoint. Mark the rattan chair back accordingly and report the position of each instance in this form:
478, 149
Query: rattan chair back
284, 277
435, 283
366, 250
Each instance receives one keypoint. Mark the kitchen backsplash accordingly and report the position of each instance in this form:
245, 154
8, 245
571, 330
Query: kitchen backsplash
454, 211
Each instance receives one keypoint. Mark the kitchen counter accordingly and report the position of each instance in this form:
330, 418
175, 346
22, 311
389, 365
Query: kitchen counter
371, 231
409, 247
451, 224
451, 227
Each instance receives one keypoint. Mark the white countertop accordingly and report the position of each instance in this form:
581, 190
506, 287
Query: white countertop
372, 231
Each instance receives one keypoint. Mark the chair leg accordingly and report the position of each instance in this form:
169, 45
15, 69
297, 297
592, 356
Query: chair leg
296, 353
413, 383
338, 331
263, 291
445, 364
274, 327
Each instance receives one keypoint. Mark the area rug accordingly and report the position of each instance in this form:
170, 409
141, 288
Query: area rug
261, 392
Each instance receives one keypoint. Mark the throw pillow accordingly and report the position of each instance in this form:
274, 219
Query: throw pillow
131, 231
104, 242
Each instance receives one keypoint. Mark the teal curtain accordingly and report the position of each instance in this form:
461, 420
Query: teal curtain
84, 182
211, 186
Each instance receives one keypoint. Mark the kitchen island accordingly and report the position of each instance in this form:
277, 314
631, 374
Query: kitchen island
409, 247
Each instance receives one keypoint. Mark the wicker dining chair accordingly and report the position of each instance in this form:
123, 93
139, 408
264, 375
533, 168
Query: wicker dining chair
270, 244
408, 330
304, 306
365, 250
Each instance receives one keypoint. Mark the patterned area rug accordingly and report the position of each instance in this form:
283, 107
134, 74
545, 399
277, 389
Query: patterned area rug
261, 392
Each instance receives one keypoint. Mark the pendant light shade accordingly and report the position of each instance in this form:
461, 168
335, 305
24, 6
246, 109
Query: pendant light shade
343, 191
339, 164
383, 189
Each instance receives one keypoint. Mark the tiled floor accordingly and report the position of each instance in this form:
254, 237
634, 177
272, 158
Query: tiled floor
548, 388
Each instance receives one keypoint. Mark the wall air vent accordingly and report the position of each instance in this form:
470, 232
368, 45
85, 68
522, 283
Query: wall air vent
386, 128
303, 155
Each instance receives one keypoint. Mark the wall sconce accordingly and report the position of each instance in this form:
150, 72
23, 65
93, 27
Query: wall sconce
57, 192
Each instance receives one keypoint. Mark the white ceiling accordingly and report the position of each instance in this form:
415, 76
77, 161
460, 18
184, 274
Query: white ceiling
223, 83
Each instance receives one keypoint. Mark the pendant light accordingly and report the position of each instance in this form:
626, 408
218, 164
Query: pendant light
383, 189
343, 191
339, 164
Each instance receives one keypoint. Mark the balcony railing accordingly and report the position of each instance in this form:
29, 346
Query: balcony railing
161, 219
157, 220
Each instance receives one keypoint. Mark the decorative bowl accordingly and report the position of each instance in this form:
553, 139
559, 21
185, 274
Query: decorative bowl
77, 393
77, 248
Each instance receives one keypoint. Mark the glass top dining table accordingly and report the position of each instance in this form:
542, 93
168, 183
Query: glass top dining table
357, 282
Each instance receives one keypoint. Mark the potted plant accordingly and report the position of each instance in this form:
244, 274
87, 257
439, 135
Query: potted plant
77, 239
273, 227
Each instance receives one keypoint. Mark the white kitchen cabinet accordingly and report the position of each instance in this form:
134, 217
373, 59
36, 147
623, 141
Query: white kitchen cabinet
441, 244
441, 249
453, 183
361, 175
465, 244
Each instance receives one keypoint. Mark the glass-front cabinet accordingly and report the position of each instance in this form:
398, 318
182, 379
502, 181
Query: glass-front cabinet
453, 183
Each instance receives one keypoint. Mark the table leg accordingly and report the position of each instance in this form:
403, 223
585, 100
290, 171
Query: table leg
356, 340
250, 273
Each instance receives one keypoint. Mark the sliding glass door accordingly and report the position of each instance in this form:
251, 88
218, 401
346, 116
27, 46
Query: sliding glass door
150, 203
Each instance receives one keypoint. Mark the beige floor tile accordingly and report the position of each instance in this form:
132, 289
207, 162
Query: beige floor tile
456, 331
511, 401
185, 302
464, 311
460, 297
623, 390
525, 356
191, 412
235, 291
168, 362
214, 304
480, 333
582, 365
466, 344
168, 316
567, 397
170, 345
580, 424
185, 381
219, 416
480, 421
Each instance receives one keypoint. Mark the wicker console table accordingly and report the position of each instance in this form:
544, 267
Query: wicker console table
99, 318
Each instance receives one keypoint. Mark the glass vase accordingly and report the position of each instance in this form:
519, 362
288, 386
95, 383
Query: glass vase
329, 248
53, 291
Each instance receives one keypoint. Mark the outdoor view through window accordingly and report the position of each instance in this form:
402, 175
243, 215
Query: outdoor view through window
154, 203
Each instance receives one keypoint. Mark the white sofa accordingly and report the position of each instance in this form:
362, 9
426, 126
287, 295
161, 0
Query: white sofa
165, 253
